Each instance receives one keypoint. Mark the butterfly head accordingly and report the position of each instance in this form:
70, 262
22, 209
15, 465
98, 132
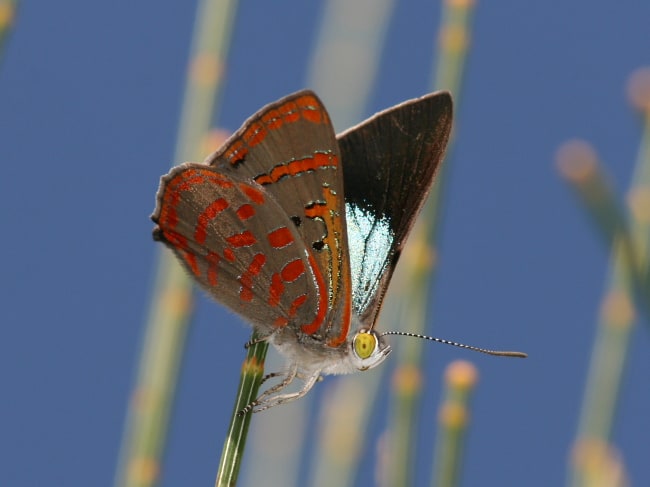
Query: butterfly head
368, 349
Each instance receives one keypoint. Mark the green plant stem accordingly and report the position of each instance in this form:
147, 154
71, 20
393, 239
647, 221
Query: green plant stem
602, 205
417, 273
147, 421
452, 422
592, 459
233, 447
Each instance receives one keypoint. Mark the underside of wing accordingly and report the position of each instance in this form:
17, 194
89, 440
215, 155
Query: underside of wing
239, 245
289, 148
390, 161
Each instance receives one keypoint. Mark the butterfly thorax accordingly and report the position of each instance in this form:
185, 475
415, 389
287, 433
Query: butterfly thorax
362, 350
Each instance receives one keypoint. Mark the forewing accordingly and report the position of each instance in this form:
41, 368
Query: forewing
289, 148
239, 245
390, 163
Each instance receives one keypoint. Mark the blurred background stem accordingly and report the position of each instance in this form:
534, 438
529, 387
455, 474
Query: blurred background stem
145, 432
453, 417
7, 19
414, 278
593, 458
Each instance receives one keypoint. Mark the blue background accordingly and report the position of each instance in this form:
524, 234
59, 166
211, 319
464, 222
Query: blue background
90, 96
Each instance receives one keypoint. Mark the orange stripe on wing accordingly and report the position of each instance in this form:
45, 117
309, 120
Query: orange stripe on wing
210, 212
236, 152
280, 238
276, 289
213, 260
345, 325
280, 321
244, 239
316, 210
255, 195
311, 109
297, 303
229, 255
186, 180
299, 166
321, 313
246, 279
273, 119
289, 112
245, 211
254, 134
293, 270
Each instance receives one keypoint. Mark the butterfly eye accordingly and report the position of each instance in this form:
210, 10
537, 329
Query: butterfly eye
364, 344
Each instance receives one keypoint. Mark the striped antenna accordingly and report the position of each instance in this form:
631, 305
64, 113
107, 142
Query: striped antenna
461, 345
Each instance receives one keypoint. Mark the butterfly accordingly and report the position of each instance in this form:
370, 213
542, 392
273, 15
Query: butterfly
298, 230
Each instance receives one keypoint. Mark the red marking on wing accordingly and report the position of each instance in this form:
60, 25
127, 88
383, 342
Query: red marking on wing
276, 174
299, 166
189, 178
185, 180
293, 270
273, 119
211, 211
297, 303
289, 112
280, 238
191, 261
311, 328
244, 239
175, 239
236, 152
228, 254
280, 322
276, 290
254, 134
213, 260
311, 110
306, 107
187, 183
345, 325
180, 243
169, 217
316, 210
255, 195
246, 279
245, 211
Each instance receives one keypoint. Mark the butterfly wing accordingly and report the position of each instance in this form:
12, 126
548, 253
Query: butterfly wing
239, 245
390, 163
289, 149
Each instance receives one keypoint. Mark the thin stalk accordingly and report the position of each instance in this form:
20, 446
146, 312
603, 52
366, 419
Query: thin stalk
638, 197
453, 418
233, 447
578, 164
148, 416
417, 272
593, 459
606, 371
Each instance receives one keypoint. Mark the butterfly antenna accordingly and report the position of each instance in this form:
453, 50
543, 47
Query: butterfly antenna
460, 345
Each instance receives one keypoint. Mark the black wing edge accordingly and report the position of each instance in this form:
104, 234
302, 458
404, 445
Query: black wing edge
389, 163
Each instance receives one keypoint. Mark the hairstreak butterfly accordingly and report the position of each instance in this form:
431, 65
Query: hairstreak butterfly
299, 231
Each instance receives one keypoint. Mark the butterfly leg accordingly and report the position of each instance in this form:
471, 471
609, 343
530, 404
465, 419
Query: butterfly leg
250, 343
284, 398
270, 376
268, 394
257, 340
